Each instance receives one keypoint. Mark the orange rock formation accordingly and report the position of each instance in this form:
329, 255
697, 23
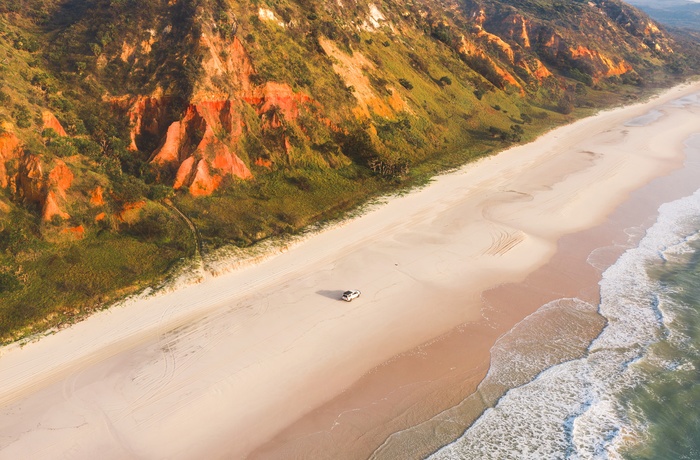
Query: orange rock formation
97, 196
130, 212
279, 98
603, 65
201, 148
10, 149
470, 48
47, 191
51, 208
50, 122
77, 233
147, 114
30, 180
199, 154
229, 59
60, 178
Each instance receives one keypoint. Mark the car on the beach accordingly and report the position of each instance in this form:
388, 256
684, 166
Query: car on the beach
348, 296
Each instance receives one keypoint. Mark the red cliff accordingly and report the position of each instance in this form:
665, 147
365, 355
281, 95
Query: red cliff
97, 196
10, 149
207, 134
50, 122
48, 191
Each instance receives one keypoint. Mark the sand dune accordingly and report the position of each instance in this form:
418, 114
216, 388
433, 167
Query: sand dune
217, 368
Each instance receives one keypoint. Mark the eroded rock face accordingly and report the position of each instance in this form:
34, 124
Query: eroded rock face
201, 147
521, 47
277, 96
10, 150
353, 70
147, 116
603, 66
50, 122
194, 140
637, 25
224, 58
35, 182
31, 184
472, 51
517, 29
59, 181
169, 152
97, 196
184, 173
203, 183
76, 233
595, 63
60, 178
48, 191
587, 40
130, 212
51, 208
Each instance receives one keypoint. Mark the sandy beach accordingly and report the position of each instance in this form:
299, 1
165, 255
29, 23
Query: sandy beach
264, 361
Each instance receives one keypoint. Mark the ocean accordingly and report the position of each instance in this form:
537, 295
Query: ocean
630, 391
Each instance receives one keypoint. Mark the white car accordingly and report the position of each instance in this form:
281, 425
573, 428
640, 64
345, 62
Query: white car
348, 296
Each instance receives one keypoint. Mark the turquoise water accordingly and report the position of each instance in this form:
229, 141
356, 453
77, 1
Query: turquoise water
667, 403
635, 392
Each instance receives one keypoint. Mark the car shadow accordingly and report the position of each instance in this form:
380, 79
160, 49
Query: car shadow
336, 294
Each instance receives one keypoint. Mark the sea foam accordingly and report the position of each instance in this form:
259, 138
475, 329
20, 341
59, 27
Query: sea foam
573, 409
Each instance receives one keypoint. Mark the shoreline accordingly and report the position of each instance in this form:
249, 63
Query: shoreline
242, 334
461, 362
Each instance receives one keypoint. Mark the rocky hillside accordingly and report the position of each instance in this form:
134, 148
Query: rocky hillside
682, 14
135, 133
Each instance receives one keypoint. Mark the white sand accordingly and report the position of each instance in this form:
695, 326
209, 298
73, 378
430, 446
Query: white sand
235, 359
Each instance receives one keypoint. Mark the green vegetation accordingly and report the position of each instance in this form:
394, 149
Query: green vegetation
280, 203
70, 279
44, 284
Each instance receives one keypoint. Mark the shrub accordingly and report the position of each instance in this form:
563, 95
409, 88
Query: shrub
300, 182
565, 106
22, 116
154, 225
8, 282
442, 32
87, 147
61, 103
357, 145
159, 192
59, 146
496, 132
418, 62
405, 83
25, 43
388, 168
128, 189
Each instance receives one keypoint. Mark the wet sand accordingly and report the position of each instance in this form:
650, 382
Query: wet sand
426, 397
255, 361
